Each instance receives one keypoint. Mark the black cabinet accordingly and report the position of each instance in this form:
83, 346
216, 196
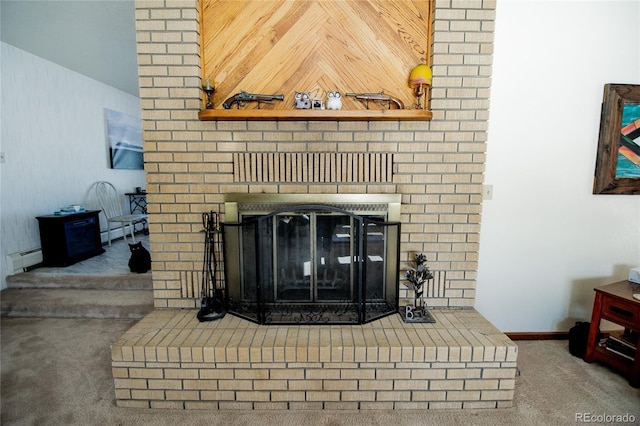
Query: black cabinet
67, 239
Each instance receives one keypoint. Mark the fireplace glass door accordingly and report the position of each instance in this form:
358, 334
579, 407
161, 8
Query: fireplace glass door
313, 258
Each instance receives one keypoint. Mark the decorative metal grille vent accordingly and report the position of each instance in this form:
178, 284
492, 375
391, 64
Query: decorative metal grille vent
351, 207
316, 167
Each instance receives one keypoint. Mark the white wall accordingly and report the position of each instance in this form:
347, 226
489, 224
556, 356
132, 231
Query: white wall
546, 241
54, 141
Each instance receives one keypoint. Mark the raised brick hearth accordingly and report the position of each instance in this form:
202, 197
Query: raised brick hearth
170, 360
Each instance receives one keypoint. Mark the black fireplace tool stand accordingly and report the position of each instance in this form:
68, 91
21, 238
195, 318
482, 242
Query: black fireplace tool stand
212, 306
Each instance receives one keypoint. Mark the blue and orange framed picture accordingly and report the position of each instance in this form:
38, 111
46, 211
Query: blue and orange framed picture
618, 158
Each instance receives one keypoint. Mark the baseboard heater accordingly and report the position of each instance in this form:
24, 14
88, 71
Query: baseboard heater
24, 260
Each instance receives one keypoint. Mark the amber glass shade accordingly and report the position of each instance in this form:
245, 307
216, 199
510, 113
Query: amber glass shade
421, 74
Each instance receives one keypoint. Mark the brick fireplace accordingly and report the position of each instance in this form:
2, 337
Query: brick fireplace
170, 360
437, 166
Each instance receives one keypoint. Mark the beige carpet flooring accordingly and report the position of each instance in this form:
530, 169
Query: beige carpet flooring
57, 372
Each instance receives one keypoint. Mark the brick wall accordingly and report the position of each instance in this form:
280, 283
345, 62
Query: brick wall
438, 164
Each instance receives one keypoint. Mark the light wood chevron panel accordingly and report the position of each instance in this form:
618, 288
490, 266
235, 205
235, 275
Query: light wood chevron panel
316, 46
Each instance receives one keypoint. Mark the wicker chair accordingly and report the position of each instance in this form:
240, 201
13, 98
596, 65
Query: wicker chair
111, 205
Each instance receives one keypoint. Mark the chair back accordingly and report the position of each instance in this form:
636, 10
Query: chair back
108, 199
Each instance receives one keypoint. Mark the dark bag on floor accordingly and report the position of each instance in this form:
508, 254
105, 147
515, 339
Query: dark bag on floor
578, 335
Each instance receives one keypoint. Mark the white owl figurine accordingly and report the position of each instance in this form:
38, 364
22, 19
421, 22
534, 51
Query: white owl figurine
334, 100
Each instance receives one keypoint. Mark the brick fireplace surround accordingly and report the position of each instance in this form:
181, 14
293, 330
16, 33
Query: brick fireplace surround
170, 360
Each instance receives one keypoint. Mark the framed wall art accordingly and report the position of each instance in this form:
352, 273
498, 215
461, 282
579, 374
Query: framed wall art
124, 134
618, 158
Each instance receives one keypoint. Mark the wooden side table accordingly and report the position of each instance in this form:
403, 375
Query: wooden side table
615, 303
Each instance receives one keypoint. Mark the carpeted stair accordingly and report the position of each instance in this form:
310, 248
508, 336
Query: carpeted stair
34, 294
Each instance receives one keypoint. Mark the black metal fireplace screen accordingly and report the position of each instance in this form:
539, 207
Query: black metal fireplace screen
312, 264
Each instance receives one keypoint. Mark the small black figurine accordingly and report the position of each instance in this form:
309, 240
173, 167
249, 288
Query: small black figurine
140, 261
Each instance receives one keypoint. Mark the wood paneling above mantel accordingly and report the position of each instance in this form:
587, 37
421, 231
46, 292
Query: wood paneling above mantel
315, 46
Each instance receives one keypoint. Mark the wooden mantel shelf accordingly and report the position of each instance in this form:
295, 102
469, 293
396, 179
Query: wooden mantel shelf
313, 114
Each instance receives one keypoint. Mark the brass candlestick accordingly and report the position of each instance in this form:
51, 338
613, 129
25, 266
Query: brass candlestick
209, 87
